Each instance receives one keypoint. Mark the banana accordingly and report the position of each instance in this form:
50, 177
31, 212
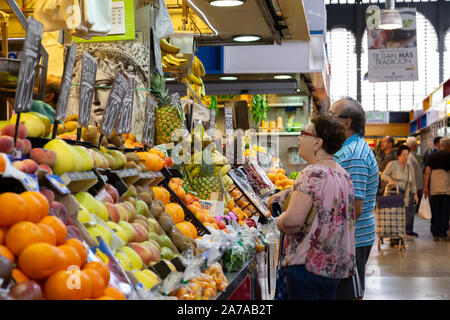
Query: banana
225, 169
170, 62
171, 57
200, 67
217, 169
195, 79
195, 172
167, 47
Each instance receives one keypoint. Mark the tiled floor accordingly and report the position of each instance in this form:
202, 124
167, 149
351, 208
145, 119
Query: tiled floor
421, 272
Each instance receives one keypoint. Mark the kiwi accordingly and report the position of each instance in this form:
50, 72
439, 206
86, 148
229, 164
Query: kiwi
131, 165
146, 197
180, 243
156, 210
191, 241
166, 222
143, 168
133, 157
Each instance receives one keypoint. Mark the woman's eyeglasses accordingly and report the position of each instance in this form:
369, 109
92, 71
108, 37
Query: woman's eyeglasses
306, 133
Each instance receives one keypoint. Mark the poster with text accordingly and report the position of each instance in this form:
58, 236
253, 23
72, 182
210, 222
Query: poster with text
393, 53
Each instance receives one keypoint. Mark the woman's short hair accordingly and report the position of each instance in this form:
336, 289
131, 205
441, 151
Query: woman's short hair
331, 131
401, 148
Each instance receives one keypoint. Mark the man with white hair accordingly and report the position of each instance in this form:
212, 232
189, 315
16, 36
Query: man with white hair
437, 185
413, 161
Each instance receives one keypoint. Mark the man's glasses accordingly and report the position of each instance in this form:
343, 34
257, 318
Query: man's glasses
336, 116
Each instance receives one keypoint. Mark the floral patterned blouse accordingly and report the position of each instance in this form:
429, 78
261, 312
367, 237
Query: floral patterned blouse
328, 249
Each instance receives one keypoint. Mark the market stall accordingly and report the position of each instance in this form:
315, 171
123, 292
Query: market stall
97, 191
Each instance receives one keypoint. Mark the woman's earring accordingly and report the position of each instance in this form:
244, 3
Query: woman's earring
315, 153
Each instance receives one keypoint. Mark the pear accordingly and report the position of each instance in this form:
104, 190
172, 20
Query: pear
142, 208
66, 156
131, 192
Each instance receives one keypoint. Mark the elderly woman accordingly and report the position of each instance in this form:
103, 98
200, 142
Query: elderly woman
401, 174
319, 222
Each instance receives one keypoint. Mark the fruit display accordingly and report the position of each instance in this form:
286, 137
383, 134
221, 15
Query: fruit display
258, 179
279, 178
195, 77
38, 254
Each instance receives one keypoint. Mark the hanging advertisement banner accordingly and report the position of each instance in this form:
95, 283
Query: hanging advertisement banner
393, 53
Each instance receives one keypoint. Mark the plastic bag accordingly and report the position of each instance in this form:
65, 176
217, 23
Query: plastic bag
234, 258
215, 270
164, 25
424, 208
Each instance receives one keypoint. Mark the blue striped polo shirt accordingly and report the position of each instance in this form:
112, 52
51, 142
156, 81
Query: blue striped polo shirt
358, 159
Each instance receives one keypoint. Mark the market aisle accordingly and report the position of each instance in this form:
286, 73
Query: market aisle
422, 272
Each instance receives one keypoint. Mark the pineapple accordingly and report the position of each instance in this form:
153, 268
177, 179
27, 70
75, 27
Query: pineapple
207, 182
167, 116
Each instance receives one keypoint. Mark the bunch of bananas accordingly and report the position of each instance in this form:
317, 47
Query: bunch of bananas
169, 55
194, 78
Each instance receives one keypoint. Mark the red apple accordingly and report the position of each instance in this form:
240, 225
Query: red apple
113, 212
113, 192
169, 162
122, 212
142, 251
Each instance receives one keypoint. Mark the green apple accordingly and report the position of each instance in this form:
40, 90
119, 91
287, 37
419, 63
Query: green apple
129, 230
142, 208
135, 259
166, 253
124, 261
153, 225
92, 205
147, 281
83, 214
118, 230
165, 241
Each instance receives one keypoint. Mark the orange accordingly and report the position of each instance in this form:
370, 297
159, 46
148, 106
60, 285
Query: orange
114, 293
4, 251
58, 226
188, 229
161, 194
105, 298
19, 276
48, 235
2, 164
101, 268
175, 211
77, 244
72, 256
98, 284
64, 285
21, 235
37, 205
2, 235
40, 260
13, 209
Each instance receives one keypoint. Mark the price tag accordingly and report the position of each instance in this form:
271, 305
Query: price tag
148, 136
28, 66
118, 90
56, 182
88, 75
64, 91
228, 118
126, 111
212, 122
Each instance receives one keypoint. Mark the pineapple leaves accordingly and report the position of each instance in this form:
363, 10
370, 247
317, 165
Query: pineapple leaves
259, 108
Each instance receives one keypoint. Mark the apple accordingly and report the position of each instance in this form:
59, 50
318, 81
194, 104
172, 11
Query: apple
108, 199
141, 231
113, 192
154, 251
124, 261
142, 251
129, 230
153, 243
165, 241
122, 212
118, 230
27, 290
131, 211
113, 212
153, 225
143, 221
169, 162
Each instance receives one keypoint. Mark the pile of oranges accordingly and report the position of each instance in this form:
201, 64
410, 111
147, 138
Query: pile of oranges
36, 242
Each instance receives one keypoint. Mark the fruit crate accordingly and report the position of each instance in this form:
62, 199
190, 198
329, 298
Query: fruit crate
244, 188
188, 215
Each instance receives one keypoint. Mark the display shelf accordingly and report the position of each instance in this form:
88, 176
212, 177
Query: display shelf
235, 280
189, 216
264, 213
80, 181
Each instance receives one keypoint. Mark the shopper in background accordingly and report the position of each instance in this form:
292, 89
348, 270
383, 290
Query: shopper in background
415, 161
48, 106
359, 160
401, 174
437, 186
430, 151
319, 249
387, 152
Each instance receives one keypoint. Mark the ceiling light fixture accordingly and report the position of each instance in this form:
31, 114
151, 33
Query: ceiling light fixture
390, 19
226, 3
228, 78
283, 77
246, 38
195, 8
